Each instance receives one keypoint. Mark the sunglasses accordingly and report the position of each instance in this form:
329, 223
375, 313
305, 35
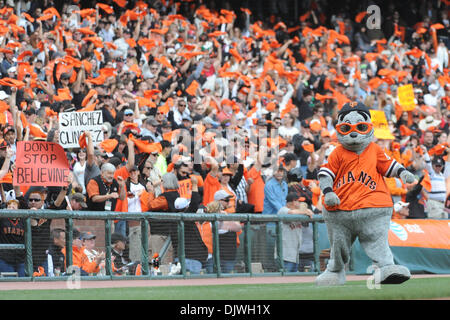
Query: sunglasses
360, 127
34, 200
226, 200
149, 168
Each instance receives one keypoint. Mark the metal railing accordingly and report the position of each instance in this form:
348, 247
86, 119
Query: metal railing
246, 218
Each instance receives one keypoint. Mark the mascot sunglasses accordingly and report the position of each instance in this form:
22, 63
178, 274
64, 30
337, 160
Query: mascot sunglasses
360, 127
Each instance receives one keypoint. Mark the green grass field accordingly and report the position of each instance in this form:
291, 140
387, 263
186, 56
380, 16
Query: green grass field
354, 290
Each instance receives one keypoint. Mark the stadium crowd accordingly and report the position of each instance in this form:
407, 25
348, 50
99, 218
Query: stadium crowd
210, 107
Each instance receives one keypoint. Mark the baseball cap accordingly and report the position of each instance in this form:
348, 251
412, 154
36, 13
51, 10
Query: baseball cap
128, 111
8, 129
78, 197
438, 161
100, 153
304, 124
433, 87
399, 205
325, 133
227, 171
354, 107
134, 168
181, 203
221, 195
166, 124
87, 236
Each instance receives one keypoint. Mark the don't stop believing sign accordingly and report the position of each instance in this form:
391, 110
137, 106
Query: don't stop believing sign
40, 163
73, 124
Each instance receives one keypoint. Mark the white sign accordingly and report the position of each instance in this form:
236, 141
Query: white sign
73, 124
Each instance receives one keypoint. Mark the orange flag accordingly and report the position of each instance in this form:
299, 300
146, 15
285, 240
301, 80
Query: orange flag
278, 141
28, 17
322, 98
63, 94
405, 131
163, 60
86, 31
192, 89
360, 16
190, 55
160, 31
236, 55
34, 131
82, 140
146, 146
308, 147
88, 97
50, 113
121, 3
108, 9
45, 17
135, 68
109, 145
426, 181
437, 149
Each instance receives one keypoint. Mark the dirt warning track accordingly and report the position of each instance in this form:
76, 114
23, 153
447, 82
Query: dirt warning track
87, 284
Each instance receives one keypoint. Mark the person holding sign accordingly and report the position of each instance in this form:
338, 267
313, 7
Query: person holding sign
103, 190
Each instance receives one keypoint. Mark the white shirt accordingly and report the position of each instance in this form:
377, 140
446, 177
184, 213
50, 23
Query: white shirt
78, 172
134, 204
287, 133
430, 100
178, 117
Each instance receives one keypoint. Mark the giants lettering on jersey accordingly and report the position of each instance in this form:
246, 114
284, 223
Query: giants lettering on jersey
14, 231
362, 178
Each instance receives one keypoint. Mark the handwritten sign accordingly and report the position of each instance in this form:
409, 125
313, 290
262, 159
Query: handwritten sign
378, 118
40, 163
406, 97
380, 125
73, 124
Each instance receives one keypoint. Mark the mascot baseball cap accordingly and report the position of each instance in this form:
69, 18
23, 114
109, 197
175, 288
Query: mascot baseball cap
354, 106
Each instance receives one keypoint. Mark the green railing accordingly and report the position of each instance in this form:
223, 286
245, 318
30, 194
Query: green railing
108, 217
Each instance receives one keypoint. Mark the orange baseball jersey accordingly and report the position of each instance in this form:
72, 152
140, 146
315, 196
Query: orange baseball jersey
358, 179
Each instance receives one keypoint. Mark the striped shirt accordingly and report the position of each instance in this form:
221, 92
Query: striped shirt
241, 194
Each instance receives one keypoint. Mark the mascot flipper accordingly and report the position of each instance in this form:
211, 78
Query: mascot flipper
357, 202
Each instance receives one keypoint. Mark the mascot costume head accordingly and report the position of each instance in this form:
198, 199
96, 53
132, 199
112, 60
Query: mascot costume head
357, 202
